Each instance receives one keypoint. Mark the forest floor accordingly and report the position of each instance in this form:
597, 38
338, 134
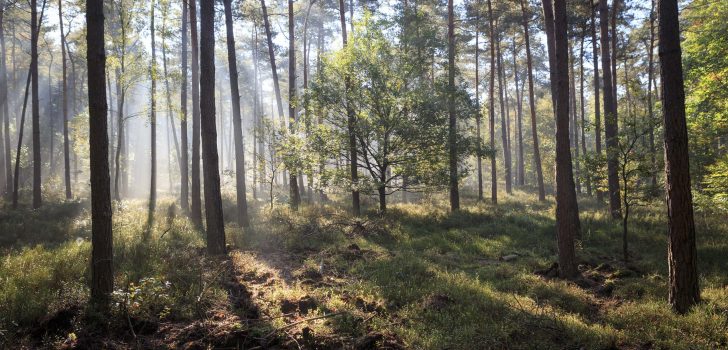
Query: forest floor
417, 277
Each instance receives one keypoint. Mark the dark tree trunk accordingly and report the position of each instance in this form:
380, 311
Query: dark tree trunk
452, 124
153, 130
293, 182
597, 111
272, 58
4, 105
548, 17
184, 159
478, 115
213, 199
503, 109
66, 146
21, 128
34, 24
170, 109
682, 254
243, 219
567, 210
610, 115
351, 125
491, 108
102, 272
583, 109
120, 92
521, 167
574, 122
195, 196
532, 106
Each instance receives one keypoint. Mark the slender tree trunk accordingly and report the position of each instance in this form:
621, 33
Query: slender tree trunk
521, 167
272, 57
292, 101
532, 106
491, 107
583, 108
574, 123
153, 128
102, 272
650, 113
682, 254
195, 196
478, 116
4, 105
597, 111
213, 199
613, 42
170, 109
503, 111
66, 146
610, 115
452, 125
34, 24
548, 16
184, 159
567, 210
242, 201
121, 93
21, 128
258, 140
351, 125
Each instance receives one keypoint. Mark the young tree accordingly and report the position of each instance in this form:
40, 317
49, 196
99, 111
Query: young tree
452, 118
195, 197
213, 199
610, 114
567, 210
153, 126
102, 272
682, 253
242, 207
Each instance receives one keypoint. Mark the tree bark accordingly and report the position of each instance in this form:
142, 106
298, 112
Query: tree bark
567, 210
452, 118
610, 115
170, 109
583, 108
242, 201
650, 113
351, 125
478, 115
521, 167
532, 107
597, 110
293, 181
4, 105
503, 111
66, 146
491, 107
102, 272
682, 253
34, 24
195, 196
548, 16
184, 161
21, 128
153, 130
272, 57
213, 199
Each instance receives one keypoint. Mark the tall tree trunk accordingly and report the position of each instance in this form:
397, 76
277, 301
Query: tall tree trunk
491, 107
184, 159
682, 254
257, 132
610, 114
153, 130
21, 128
102, 271
213, 199
292, 102
613, 42
478, 116
567, 210
532, 106
195, 196
583, 108
272, 58
503, 111
66, 146
521, 167
650, 113
452, 124
597, 111
34, 24
548, 17
4, 105
574, 123
351, 124
170, 109
121, 93
242, 201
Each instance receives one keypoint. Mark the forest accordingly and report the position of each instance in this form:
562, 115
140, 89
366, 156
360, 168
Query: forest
363, 174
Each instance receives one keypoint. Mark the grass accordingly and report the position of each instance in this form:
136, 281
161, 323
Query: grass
417, 277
